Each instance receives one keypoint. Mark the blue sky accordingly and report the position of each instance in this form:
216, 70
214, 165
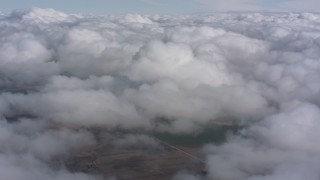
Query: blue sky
162, 6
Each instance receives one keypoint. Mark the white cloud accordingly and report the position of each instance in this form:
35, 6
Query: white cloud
83, 71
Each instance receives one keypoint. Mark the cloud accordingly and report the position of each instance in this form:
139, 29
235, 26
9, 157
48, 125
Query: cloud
28, 154
295, 124
68, 81
288, 140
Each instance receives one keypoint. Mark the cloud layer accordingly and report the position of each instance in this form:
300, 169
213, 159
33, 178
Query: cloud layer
64, 74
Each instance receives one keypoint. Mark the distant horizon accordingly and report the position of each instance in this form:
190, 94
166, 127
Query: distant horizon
174, 7
191, 13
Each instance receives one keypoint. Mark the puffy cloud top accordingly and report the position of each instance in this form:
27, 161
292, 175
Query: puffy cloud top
63, 75
38, 15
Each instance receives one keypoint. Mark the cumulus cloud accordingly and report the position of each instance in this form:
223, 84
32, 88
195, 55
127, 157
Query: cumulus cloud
288, 149
65, 77
27, 150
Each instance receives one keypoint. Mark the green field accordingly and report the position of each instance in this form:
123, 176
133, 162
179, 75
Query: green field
216, 134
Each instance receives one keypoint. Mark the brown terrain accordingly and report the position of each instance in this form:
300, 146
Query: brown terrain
138, 164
